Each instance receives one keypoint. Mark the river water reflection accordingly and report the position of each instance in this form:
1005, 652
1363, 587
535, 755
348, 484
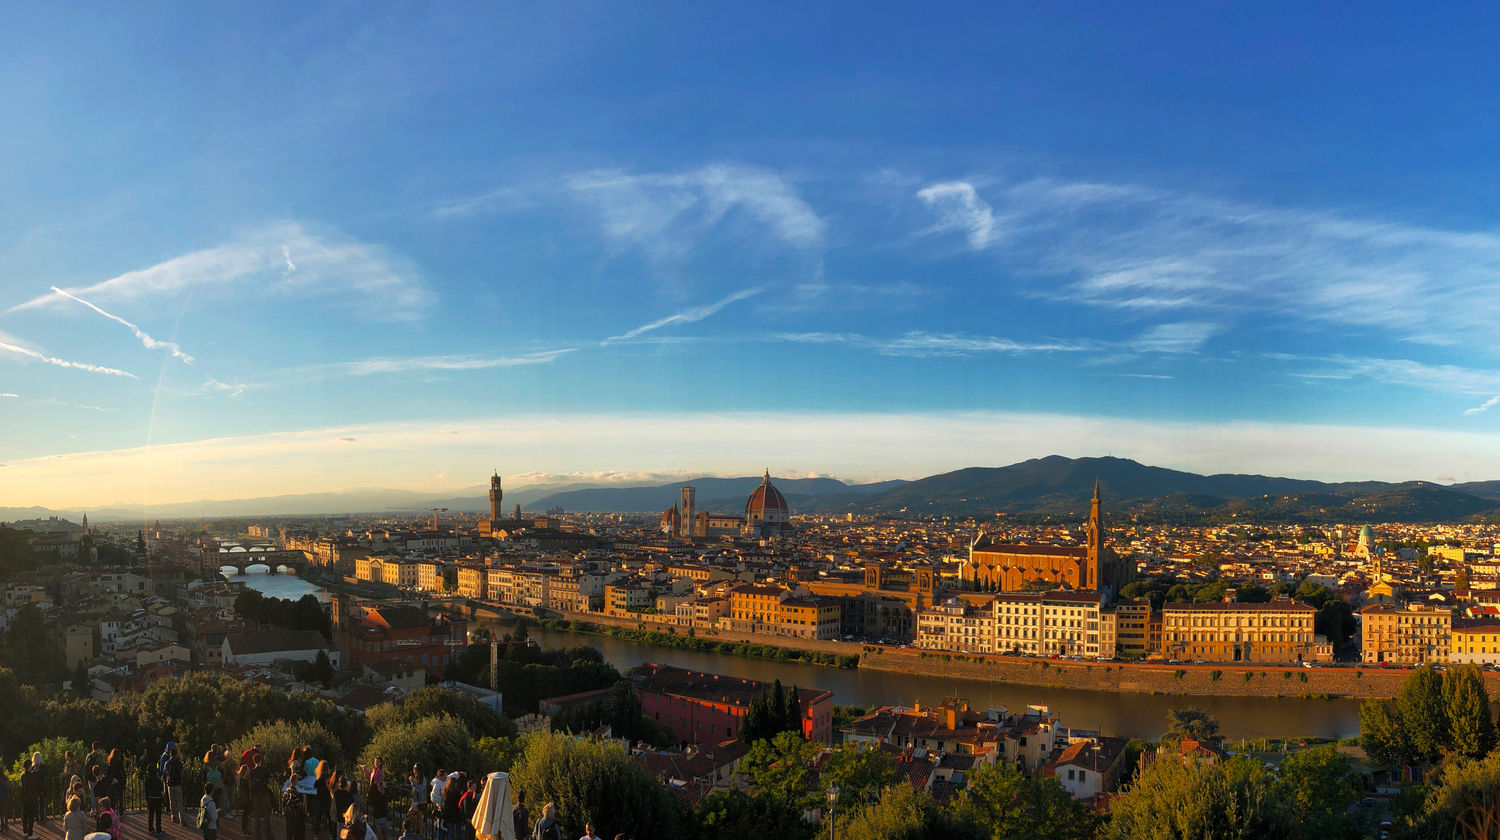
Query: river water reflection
1124, 714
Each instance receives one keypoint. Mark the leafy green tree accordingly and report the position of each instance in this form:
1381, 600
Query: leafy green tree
906, 813
1231, 800
520, 632
860, 772
29, 651
592, 781
1471, 727
436, 700
1335, 619
497, 754
279, 739
1191, 723
734, 815
1322, 785
1424, 715
1464, 802
52, 750
793, 713
781, 769
1019, 807
430, 741
1381, 735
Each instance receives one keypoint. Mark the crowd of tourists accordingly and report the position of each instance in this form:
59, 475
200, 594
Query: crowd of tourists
310, 796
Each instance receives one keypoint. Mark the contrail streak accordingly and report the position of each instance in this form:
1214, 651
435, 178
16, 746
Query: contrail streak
151, 343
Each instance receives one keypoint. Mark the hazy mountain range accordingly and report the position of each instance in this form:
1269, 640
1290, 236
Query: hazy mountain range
1054, 486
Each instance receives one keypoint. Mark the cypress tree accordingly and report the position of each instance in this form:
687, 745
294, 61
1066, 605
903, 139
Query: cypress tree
793, 712
776, 704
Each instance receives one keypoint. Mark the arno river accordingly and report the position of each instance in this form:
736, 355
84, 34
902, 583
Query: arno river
1129, 715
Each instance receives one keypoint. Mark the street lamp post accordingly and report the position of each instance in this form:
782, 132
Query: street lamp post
833, 798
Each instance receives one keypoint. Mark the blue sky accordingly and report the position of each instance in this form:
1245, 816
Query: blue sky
307, 249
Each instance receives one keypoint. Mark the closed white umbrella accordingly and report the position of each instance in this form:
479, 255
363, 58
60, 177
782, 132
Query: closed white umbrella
492, 819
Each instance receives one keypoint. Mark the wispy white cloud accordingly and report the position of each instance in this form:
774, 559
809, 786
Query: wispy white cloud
959, 208
1484, 406
1151, 251
367, 367
8, 395
686, 316
1166, 339
1172, 338
149, 342
11, 344
373, 282
80, 406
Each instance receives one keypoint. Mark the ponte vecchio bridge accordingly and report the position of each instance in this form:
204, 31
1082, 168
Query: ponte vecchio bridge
241, 558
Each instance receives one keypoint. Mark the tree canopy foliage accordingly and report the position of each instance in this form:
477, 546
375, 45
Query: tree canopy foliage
594, 781
305, 613
1434, 714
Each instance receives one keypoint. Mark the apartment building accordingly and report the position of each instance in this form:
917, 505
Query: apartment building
1476, 642
809, 618
957, 627
1413, 634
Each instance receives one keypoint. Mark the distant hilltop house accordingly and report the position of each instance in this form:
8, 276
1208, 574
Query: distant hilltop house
1011, 567
767, 516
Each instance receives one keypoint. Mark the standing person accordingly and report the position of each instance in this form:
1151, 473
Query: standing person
453, 791
212, 778
77, 824
418, 785
354, 827
156, 791
322, 801
69, 770
588, 832
520, 820
435, 792
242, 785
229, 772
259, 780
208, 814
5, 800
379, 811
548, 828
34, 789
171, 774
107, 819
377, 775
31, 784
467, 805
293, 804
116, 767
95, 758
99, 786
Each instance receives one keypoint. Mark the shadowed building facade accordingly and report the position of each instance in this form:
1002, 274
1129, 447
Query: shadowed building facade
1012, 567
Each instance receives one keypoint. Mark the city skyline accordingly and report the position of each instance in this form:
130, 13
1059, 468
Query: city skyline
255, 250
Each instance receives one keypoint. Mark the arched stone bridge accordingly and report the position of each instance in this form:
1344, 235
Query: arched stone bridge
241, 561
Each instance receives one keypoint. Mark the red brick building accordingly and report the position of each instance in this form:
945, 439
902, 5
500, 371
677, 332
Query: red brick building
406, 635
707, 708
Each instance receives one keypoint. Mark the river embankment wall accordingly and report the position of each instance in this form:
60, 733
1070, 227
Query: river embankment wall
1221, 680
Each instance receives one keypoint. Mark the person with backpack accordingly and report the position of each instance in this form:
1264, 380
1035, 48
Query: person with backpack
548, 828
208, 814
259, 798
107, 820
156, 791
